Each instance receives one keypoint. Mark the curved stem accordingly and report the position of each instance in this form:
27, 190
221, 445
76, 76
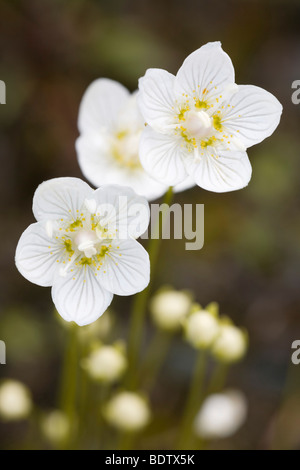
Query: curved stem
141, 299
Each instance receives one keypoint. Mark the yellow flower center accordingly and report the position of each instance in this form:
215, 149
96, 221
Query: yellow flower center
199, 127
84, 239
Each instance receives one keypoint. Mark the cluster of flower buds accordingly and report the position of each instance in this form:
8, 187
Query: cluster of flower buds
204, 329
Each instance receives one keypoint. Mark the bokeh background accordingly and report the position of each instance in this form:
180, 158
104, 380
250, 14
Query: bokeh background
49, 52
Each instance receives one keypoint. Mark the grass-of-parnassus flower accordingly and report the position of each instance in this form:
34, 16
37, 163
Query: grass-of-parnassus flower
221, 415
84, 246
200, 123
110, 126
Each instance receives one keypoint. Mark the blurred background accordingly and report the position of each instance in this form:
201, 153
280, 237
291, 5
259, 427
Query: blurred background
49, 52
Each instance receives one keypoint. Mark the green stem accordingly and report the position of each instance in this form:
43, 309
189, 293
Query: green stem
155, 357
218, 378
193, 401
83, 392
69, 382
141, 299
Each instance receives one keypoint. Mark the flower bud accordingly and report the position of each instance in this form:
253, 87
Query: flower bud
168, 308
55, 426
106, 363
127, 411
15, 400
231, 343
221, 415
201, 329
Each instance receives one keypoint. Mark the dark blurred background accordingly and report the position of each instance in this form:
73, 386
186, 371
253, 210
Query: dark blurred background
49, 52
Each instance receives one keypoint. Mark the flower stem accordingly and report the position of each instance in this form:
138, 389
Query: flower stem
141, 299
69, 382
155, 357
218, 378
193, 400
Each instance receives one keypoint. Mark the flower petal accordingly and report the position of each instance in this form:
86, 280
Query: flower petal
253, 114
37, 254
79, 297
100, 167
100, 105
205, 72
126, 268
95, 159
162, 157
156, 98
141, 183
130, 118
227, 172
188, 183
123, 209
60, 198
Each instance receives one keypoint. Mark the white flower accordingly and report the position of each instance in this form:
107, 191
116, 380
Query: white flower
127, 411
230, 344
201, 329
15, 400
83, 246
200, 122
221, 415
168, 308
106, 363
110, 125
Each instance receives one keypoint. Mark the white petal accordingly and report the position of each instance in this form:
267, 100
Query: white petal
37, 254
130, 117
100, 167
204, 70
123, 209
60, 198
162, 157
188, 183
140, 182
156, 98
229, 172
79, 297
95, 158
254, 116
100, 105
126, 268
